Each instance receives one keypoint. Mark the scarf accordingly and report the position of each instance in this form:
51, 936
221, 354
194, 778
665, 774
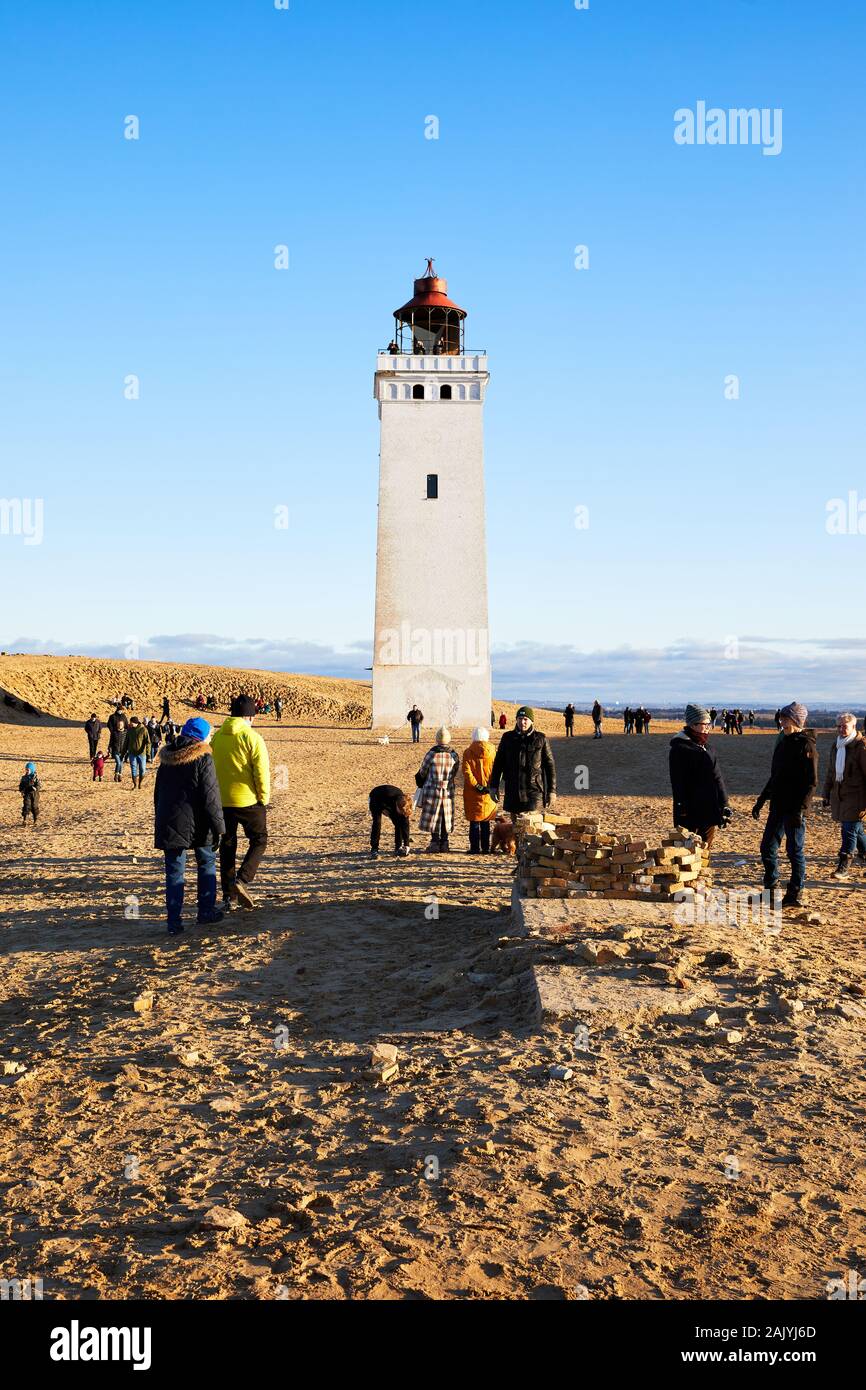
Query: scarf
841, 747
702, 738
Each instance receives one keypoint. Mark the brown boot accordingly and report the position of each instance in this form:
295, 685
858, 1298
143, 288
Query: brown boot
243, 894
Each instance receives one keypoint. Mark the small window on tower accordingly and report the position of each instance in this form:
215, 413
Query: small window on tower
445, 393
417, 393
432, 486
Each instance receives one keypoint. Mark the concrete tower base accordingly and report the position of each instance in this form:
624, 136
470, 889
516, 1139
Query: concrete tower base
449, 695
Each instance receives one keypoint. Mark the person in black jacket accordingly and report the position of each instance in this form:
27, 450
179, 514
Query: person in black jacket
569, 720
118, 724
525, 761
793, 779
397, 806
93, 728
597, 716
154, 733
188, 815
700, 797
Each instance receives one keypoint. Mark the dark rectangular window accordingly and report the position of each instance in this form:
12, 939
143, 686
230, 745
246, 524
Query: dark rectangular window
433, 485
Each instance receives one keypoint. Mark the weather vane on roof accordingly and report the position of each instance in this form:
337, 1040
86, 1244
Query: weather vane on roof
430, 271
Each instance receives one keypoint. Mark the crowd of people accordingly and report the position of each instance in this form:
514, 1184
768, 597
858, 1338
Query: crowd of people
130, 740
731, 721
208, 788
520, 772
637, 720
523, 765
701, 800
211, 786
633, 720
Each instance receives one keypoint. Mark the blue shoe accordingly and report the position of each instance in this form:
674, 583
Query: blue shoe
175, 928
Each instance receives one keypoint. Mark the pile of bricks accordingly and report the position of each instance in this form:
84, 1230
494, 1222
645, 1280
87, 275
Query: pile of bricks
570, 857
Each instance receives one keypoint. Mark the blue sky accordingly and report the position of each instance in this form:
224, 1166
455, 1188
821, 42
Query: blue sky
260, 127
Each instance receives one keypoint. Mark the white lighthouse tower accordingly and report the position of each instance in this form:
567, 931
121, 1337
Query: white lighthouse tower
431, 645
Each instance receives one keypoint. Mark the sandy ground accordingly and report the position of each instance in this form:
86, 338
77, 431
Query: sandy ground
472, 1175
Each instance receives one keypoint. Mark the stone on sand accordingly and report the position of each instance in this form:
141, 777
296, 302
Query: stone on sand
708, 1017
224, 1219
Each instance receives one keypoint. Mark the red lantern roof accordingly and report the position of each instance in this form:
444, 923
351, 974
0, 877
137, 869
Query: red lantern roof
431, 292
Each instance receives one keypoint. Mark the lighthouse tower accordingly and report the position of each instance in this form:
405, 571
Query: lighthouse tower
431, 642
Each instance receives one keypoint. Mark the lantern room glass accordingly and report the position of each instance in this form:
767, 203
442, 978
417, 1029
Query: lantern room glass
430, 331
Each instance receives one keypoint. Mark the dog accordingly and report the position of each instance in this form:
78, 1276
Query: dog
503, 839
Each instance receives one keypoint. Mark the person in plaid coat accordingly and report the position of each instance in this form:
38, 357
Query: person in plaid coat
436, 778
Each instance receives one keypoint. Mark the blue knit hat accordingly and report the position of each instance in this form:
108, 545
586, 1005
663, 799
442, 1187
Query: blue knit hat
196, 728
29, 767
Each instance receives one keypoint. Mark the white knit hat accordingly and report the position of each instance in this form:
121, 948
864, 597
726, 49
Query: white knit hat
480, 735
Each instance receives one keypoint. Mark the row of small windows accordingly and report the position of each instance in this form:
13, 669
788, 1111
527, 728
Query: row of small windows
446, 392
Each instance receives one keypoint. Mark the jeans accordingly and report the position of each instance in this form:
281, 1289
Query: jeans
138, 764
597, 733
118, 763
853, 837
479, 837
416, 733
175, 868
254, 820
778, 824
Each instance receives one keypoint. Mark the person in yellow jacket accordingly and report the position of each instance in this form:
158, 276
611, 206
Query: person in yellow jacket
478, 807
244, 775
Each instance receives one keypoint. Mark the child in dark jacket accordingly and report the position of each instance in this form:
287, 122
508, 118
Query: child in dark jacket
98, 764
29, 788
189, 815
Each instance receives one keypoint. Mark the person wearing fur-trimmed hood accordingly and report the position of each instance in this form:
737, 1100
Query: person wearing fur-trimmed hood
189, 815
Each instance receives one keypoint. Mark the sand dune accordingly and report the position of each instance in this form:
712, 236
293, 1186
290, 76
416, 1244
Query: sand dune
69, 688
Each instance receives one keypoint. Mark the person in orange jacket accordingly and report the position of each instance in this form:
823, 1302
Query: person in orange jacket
478, 807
